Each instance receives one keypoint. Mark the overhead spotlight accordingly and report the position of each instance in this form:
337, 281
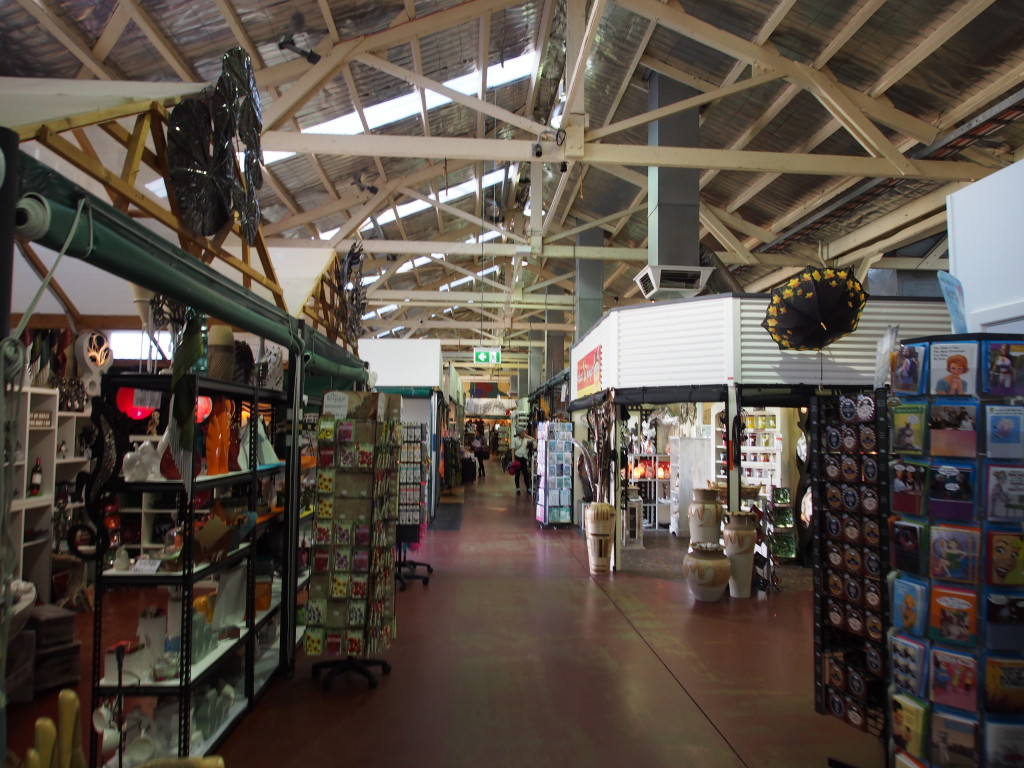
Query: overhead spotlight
288, 44
537, 150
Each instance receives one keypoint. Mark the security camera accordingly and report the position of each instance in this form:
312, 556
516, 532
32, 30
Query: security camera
537, 150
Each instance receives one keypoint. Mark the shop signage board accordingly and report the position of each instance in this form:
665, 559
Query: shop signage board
487, 355
588, 373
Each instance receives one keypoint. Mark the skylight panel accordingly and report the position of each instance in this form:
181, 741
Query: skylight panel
408, 105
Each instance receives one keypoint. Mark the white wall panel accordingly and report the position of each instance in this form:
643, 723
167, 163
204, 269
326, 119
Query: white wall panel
851, 360
403, 362
672, 344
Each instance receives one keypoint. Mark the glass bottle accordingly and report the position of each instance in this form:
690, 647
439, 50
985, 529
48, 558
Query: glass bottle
35, 482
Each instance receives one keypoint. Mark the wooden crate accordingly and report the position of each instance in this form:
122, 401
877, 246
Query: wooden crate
57, 666
53, 626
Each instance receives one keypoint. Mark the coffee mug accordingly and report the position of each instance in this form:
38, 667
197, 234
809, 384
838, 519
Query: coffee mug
102, 718
141, 750
111, 739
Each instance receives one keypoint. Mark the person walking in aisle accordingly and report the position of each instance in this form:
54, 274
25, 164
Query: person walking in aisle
481, 453
522, 447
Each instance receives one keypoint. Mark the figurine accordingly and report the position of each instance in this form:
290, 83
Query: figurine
62, 450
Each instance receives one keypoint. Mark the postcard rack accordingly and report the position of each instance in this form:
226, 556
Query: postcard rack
957, 694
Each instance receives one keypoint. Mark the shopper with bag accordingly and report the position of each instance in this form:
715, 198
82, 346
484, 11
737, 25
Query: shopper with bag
481, 453
522, 448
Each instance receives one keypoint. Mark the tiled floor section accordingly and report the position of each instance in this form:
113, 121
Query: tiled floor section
514, 656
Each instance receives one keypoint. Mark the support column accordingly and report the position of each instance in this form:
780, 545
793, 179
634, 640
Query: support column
535, 360
554, 341
589, 284
8, 198
673, 194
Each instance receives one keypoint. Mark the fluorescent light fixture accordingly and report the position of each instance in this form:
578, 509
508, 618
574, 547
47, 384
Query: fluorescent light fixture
136, 345
408, 105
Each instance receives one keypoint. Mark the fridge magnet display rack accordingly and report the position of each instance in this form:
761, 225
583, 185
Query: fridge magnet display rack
350, 613
849, 468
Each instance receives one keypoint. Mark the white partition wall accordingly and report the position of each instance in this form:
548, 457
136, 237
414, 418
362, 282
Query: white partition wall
719, 340
986, 239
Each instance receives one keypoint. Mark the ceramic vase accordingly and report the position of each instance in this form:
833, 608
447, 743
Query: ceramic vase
600, 528
707, 569
740, 536
704, 515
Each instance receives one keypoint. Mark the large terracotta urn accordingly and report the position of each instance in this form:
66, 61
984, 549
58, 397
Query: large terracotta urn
704, 514
600, 519
740, 536
707, 569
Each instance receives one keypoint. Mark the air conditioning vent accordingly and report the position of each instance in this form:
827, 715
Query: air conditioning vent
672, 282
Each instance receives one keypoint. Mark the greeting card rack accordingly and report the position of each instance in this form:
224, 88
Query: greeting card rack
412, 503
848, 460
351, 608
198, 662
957, 697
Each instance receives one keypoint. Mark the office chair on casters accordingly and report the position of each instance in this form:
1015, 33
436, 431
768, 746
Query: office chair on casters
405, 569
356, 664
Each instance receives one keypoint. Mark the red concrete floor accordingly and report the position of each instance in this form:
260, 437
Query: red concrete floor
514, 655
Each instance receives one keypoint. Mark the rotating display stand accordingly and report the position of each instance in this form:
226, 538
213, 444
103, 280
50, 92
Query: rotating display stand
351, 609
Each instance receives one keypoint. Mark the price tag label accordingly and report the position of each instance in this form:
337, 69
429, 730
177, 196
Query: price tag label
336, 404
145, 398
146, 565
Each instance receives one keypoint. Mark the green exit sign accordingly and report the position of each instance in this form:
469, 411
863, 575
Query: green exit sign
487, 355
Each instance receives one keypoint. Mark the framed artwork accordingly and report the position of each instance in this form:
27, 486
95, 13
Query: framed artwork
951, 491
1004, 557
954, 553
1003, 365
909, 367
1004, 492
953, 368
909, 422
953, 428
1004, 431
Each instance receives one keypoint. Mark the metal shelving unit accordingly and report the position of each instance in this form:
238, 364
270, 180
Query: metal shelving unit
234, 640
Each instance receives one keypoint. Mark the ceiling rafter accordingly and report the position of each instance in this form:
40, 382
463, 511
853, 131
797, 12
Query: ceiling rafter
167, 49
41, 270
627, 154
69, 37
116, 24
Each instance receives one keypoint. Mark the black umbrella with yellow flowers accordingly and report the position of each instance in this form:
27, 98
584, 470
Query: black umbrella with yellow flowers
815, 308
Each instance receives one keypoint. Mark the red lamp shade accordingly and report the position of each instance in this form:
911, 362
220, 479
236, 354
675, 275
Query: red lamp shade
126, 404
204, 407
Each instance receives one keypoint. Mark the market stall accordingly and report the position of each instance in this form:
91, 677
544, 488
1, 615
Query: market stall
703, 378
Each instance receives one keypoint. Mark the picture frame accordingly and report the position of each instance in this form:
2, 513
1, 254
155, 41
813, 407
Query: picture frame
908, 487
1004, 431
953, 428
1004, 492
1004, 556
909, 428
953, 615
1003, 366
953, 553
909, 369
953, 368
951, 490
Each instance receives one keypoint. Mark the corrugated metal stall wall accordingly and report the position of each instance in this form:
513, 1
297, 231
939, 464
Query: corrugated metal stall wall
675, 343
851, 360
606, 335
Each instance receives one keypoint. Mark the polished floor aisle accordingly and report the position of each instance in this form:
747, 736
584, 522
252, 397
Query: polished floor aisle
514, 655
